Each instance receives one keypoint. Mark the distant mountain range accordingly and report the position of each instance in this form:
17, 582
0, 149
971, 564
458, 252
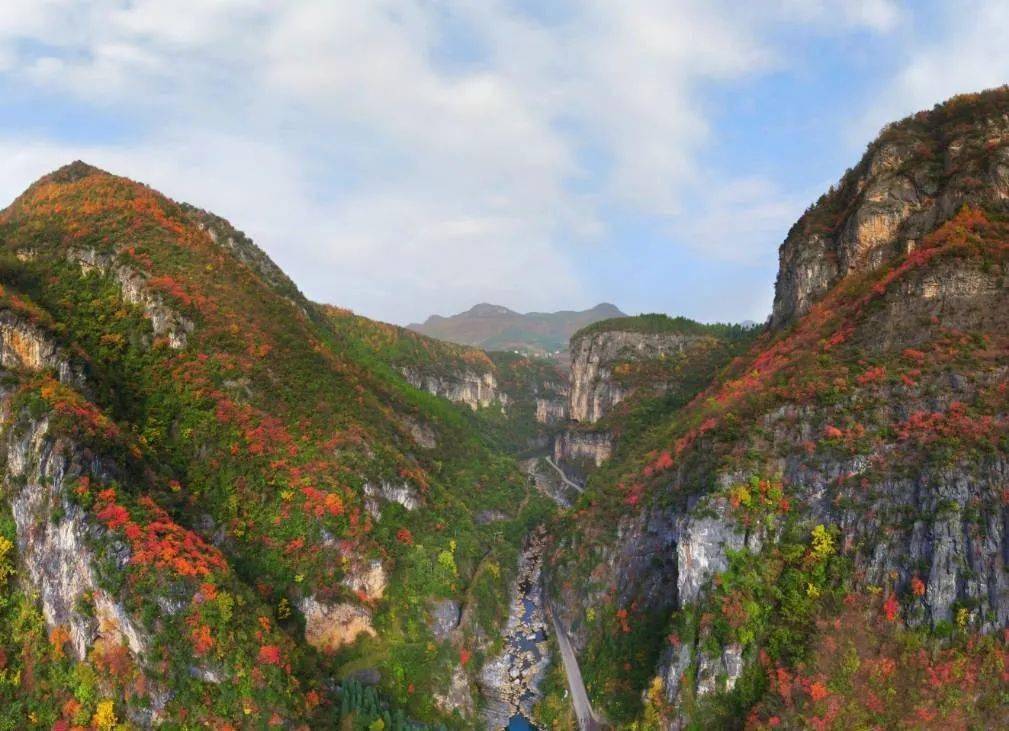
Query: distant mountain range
493, 327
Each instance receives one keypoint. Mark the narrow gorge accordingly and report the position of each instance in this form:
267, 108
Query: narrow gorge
224, 503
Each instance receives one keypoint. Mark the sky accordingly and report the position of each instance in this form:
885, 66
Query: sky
410, 157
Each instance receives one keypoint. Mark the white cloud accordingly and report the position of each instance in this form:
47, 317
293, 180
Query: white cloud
881, 16
392, 180
968, 53
739, 218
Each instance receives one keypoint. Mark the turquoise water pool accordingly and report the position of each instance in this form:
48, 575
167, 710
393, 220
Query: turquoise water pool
520, 723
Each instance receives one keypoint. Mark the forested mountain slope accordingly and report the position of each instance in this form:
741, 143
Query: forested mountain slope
626, 373
818, 538
505, 391
223, 504
214, 510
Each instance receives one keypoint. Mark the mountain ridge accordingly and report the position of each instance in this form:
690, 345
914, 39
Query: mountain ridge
829, 504
211, 492
494, 327
223, 503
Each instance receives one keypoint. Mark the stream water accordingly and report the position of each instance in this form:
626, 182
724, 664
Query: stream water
511, 680
520, 723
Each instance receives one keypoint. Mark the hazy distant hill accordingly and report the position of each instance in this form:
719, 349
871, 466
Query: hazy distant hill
493, 327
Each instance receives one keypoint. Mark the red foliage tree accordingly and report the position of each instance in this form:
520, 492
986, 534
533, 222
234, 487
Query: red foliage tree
269, 655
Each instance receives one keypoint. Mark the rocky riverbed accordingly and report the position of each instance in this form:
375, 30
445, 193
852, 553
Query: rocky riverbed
510, 682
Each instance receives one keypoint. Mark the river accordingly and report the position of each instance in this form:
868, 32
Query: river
511, 681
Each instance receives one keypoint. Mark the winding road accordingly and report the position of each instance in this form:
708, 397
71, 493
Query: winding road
587, 719
573, 485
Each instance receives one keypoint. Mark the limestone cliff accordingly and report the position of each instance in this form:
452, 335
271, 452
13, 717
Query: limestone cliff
620, 366
863, 438
67, 558
572, 446
57, 540
474, 389
551, 411
25, 345
596, 360
137, 289
916, 175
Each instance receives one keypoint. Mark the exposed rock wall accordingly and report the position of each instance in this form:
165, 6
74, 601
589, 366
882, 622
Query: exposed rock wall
551, 411
574, 445
376, 494
663, 559
594, 390
906, 185
476, 390
57, 553
135, 288
329, 627
24, 346
964, 295
367, 579
943, 526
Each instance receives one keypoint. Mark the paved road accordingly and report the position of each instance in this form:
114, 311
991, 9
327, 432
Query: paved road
569, 483
587, 720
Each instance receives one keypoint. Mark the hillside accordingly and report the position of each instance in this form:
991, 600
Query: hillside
504, 390
214, 505
224, 505
817, 539
492, 327
627, 373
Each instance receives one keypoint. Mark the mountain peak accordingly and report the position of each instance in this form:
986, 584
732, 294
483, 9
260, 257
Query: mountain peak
72, 172
918, 172
485, 309
125, 317
494, 327
609, 309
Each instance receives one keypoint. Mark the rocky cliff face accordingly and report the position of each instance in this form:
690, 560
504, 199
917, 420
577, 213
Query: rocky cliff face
572, 446
915, 176
594, 388
24, 345
476, 390
136, 289
551, 411
619, 366
57, 540
65, 554
385, 492
328, 627
877, 417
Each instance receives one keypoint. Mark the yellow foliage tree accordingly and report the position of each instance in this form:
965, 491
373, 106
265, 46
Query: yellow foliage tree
6, 564
105, 716
823, 543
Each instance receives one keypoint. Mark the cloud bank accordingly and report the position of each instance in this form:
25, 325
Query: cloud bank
404, 157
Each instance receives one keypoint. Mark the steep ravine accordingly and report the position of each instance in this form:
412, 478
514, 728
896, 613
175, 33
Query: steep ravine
510, 682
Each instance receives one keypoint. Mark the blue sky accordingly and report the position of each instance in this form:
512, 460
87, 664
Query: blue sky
410, 157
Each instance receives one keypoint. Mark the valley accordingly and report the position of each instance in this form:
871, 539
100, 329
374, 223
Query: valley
226, 505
